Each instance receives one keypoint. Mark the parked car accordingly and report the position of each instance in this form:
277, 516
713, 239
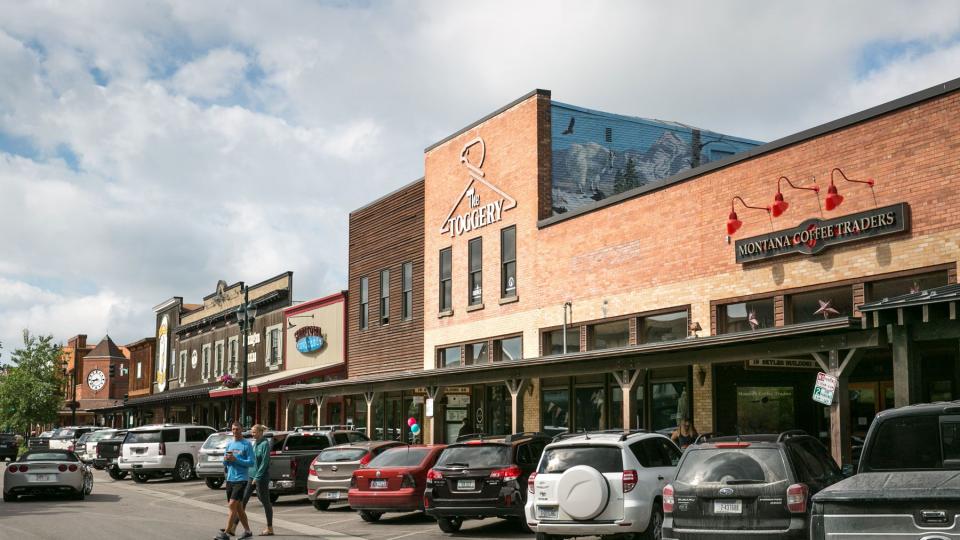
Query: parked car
86, 445
108, 454
291, 454
65, 438
601, 483
394, 481
482, 477
47, 472
330, 472
163, 449
39, 442
752, 485
9, 446
906, 483
209, 465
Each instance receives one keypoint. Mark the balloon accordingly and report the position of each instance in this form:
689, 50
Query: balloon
411, 421
415, 428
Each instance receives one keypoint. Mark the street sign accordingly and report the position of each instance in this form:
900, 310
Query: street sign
825, 388
253, 339
429, 408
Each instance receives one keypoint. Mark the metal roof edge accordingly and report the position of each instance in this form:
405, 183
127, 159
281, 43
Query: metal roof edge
512, 104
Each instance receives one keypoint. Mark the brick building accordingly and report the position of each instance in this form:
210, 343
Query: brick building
669, 298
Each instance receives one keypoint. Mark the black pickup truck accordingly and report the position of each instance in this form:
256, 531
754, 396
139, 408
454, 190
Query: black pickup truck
291, 454
907, 484
108, 450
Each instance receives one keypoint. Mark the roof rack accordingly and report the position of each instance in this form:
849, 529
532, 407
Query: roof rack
471, 436
703, 438
623, 434
791, 433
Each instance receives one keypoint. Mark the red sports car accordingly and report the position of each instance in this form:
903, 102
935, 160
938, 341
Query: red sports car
393, 481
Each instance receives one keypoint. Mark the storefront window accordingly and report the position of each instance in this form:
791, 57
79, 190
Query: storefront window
670, 404
507, 349
457, 414
499, 408
590, 409
615, 419
359, 414
890, 288
448, 357
746, 316
665, 327
378, 434
553, 341
477, 354
822, 304
555, 411
638, 416
610, 335
765, 409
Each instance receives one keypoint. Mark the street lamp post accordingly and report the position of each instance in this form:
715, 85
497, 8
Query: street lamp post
246, 314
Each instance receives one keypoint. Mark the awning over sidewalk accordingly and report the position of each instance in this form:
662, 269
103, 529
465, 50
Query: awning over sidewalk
265, 382
172, 395
784, 341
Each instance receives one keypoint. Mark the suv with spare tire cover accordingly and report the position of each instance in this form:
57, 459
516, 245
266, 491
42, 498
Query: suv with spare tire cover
601, 483
483, 477
755, 485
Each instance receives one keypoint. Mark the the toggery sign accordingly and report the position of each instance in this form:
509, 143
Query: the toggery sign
479, 214
815, 235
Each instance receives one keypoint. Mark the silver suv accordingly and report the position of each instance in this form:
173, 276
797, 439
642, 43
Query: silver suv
601, 483
162, 449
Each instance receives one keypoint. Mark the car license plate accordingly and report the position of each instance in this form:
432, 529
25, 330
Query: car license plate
727, 507
333, 495
466, 485
214, 458
42, 477
378, 484
548, 512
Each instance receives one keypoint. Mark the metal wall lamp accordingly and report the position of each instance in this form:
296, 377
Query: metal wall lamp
834, 199
780, 205
733, 222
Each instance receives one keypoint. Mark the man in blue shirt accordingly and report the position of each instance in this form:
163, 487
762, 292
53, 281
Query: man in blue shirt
238, 458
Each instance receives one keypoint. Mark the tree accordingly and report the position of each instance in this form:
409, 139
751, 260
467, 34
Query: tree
627, 178
30, 390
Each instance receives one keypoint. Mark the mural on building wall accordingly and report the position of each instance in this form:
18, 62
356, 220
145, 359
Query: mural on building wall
597, 155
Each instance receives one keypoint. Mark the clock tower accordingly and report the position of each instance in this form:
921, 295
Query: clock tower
104, 373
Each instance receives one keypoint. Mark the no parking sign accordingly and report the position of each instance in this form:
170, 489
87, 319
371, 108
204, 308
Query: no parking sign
825, 388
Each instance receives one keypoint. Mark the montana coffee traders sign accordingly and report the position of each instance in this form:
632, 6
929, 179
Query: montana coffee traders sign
815, 235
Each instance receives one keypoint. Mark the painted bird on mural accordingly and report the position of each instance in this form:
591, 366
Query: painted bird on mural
825, 309
569, 130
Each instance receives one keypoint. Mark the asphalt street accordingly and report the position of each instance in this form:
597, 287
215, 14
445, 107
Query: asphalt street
163, 509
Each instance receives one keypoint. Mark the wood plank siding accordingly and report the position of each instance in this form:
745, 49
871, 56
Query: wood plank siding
383, 236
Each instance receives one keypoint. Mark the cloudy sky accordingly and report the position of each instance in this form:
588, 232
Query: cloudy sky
148, 149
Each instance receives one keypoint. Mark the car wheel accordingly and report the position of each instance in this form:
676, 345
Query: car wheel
320, 505
140, 478
370, 516
655, 527
449, 524
116, 474
214, 483
9, 497
274, 497
88, 485
183, 470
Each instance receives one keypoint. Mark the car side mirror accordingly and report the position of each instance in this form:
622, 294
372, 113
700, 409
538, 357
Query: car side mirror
847, 470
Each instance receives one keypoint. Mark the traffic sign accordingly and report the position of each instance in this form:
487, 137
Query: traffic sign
825, 388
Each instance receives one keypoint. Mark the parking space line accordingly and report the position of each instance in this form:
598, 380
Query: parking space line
421, 531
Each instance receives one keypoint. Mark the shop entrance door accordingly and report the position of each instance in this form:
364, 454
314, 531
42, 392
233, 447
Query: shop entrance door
456, 414
866, 400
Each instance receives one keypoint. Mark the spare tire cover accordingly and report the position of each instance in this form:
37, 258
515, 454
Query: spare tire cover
583, 492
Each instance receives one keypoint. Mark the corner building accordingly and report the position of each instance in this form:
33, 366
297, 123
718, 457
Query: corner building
634, 309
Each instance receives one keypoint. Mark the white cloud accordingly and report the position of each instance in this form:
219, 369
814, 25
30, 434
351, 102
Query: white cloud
216, 75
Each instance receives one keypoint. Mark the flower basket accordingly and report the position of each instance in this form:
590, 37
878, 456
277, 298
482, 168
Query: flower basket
229, 381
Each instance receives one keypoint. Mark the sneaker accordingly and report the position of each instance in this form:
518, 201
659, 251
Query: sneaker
246, 534
222, 536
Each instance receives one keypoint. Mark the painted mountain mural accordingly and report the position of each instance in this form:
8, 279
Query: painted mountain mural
597, 155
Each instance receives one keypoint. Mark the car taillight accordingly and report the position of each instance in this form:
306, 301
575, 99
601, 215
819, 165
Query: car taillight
72, 468
797, 498
98, 450
163, 449
732, 445
12, 469
434, 474
366, 459
667, 499
274, 453
408, 481
629, 480
23, 468
62, 468
70, 447
510, 473
530, 480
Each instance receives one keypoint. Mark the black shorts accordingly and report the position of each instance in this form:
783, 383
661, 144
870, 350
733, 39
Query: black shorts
235, 490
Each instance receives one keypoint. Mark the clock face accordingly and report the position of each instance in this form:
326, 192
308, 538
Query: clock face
96, 379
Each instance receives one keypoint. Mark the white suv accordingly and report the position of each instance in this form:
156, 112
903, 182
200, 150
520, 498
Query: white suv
603, 483
162, 449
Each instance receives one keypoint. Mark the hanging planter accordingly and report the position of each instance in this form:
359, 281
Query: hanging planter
229, 381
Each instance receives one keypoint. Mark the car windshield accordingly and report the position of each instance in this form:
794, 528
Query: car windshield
48, 456
475, 456
98, 435
606, 459
217, 441
332, 455
399, 457
84, 438
732, 466
142, 437
63, 433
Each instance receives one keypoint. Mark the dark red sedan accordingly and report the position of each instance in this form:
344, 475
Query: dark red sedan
393, 481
